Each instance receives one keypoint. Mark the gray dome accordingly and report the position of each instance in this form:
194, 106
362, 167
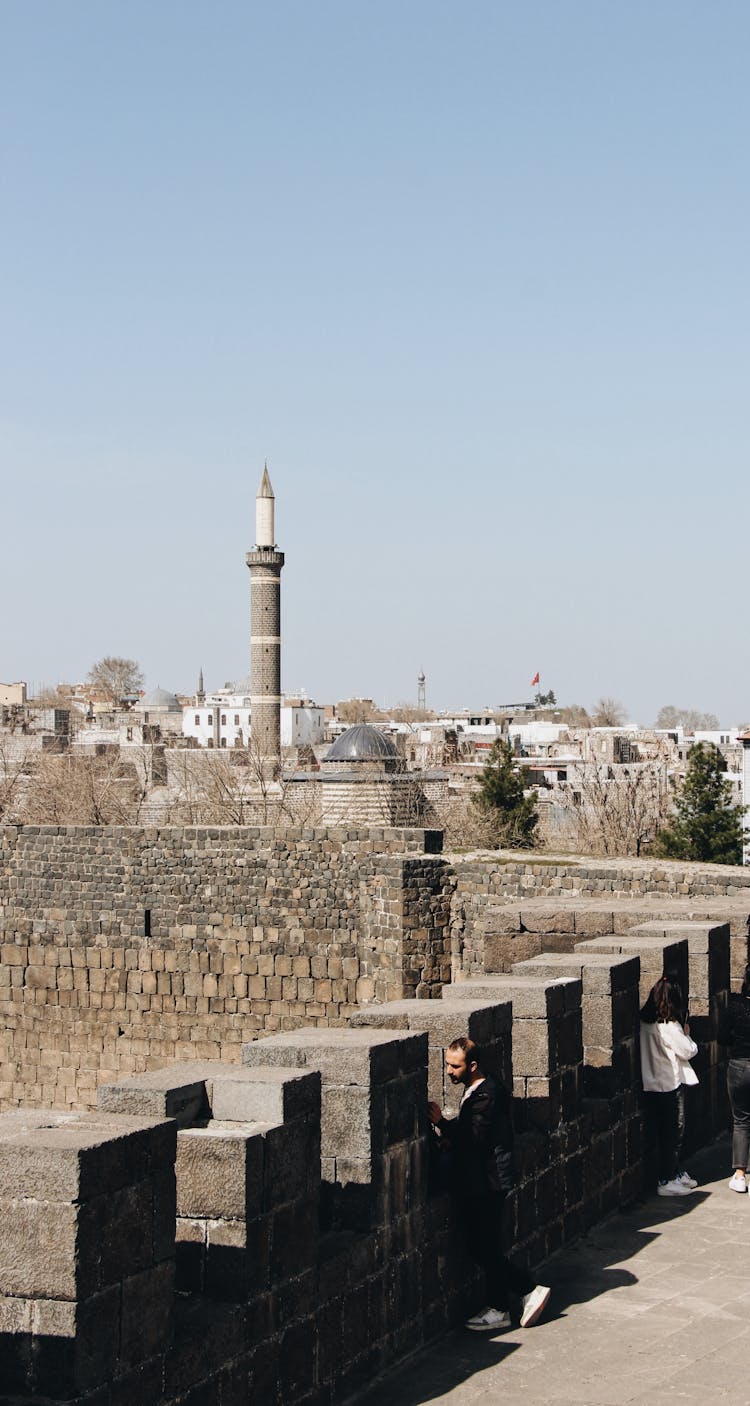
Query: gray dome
361, 743
160, 699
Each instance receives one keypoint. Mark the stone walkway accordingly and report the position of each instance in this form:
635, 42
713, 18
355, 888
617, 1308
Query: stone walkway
653, 1306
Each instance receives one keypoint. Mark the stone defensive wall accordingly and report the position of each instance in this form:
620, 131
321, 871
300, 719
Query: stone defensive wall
507, 907
218, 1193
275, 1230
122, 947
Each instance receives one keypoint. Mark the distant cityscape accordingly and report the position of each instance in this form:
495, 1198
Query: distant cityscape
106, 751
184, 758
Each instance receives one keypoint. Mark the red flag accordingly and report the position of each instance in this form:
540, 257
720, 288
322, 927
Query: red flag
534, 680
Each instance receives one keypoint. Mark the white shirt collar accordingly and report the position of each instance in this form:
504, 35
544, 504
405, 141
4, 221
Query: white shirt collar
469, 1091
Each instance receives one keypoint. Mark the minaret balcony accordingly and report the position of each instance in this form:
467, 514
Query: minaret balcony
264, 556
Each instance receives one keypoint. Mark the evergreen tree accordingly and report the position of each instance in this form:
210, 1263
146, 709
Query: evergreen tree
706, 825
511, 816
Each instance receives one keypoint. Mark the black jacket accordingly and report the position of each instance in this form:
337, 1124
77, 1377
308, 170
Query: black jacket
734, 1027
481, 1141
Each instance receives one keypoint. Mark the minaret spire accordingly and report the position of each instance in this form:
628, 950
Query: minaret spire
264, 512
265, 565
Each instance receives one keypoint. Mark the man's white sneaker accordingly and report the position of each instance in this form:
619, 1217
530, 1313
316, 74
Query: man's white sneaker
673, 1188
488, 1321
686, 1180
738, 1183
534, 1305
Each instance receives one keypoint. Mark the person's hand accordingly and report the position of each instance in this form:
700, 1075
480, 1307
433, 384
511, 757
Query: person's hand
434, 1112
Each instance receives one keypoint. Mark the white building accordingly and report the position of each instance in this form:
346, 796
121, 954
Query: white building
224, 719
537, 737
220, 719
722, 737
302, 723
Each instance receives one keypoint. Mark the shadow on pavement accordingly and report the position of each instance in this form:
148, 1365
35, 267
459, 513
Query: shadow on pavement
579, 1272
593, 1264
437, 1371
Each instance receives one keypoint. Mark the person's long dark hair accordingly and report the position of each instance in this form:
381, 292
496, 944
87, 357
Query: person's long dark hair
665, 1002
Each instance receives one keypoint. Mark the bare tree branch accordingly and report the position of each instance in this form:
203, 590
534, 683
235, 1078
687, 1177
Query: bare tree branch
616, 810
116, 677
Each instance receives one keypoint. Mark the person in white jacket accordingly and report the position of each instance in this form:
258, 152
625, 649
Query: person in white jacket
666, 1052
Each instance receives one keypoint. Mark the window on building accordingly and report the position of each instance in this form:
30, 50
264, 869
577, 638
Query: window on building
236, 719
223, 741
129, 734
223, 719
197, 720
210, 742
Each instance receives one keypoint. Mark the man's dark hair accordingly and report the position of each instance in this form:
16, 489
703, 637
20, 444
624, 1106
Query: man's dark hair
470, 1049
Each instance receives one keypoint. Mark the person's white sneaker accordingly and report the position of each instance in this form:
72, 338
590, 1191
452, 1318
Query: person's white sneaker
673, 1188
738, 1183
534, 1305
489, 1320
686, 1180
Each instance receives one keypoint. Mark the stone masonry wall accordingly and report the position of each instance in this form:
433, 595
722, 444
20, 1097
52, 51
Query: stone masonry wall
122, 948
294, 1202
253, 1211
507, 908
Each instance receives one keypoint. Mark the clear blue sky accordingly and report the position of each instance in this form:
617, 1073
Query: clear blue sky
473, 278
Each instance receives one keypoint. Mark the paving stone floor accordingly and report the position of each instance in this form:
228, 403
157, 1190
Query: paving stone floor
653, 1306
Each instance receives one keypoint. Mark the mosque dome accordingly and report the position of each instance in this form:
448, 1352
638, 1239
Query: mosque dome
160, 700
362, 743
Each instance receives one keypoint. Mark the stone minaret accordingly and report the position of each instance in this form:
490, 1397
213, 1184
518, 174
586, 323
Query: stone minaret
265, 629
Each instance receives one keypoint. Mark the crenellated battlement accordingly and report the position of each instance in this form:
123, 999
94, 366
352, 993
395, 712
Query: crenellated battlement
276, 1229
216, 1049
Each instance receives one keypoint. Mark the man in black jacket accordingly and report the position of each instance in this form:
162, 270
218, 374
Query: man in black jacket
480, 1140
